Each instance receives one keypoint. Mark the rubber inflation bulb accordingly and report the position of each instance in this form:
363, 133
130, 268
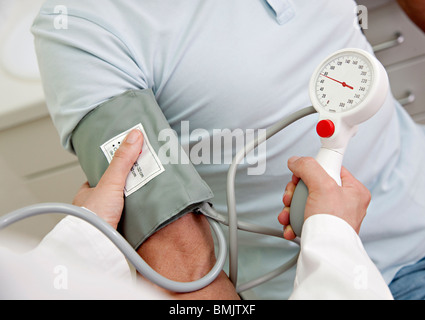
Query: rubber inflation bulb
296, 213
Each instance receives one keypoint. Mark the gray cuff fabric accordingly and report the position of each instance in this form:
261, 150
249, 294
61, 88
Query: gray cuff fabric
173, 193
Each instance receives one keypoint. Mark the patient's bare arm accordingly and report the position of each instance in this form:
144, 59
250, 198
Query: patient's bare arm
415, 9
184, 251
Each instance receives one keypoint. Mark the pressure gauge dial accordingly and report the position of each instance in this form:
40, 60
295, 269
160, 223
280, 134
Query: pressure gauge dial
350, 84
344, 82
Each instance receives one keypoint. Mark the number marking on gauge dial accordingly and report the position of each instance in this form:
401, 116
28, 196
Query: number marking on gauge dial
343, 82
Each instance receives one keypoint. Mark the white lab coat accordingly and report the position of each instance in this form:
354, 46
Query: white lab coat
333, 264
76, 261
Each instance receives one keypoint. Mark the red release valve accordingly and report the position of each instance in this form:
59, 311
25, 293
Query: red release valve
325, 128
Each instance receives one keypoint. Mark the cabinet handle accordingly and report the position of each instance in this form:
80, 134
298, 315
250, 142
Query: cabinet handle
398, 39
408, 99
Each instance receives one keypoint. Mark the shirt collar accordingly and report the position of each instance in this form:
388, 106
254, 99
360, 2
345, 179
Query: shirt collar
284, 10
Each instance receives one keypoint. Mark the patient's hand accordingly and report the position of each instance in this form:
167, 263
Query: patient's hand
415, 9
107, 198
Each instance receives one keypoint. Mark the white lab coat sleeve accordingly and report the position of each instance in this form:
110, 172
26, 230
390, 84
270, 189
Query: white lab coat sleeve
333, 264
75, 261
76, 242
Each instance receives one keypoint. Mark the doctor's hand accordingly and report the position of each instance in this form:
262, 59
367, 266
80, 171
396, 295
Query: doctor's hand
107, 198
349, 202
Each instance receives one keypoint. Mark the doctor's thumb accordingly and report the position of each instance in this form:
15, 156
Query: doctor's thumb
124, 159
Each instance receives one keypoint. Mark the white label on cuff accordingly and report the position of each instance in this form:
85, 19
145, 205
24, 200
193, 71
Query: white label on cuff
147, 166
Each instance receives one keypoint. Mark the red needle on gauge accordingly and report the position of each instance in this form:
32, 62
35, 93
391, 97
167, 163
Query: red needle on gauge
343, 83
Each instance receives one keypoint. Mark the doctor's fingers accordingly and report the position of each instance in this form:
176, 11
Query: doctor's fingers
311, 172
123, 161
289, 192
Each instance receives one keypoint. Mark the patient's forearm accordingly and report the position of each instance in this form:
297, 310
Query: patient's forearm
184, 251
415, 9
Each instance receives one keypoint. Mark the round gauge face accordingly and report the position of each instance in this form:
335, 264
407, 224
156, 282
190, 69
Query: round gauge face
344, 82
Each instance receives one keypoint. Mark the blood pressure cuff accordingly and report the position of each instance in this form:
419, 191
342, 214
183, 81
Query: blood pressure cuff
177, 190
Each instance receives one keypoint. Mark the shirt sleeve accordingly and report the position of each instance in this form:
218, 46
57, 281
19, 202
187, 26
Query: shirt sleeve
83, 62
334, 265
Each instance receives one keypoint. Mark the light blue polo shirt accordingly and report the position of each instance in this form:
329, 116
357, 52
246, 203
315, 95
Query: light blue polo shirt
238, 64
